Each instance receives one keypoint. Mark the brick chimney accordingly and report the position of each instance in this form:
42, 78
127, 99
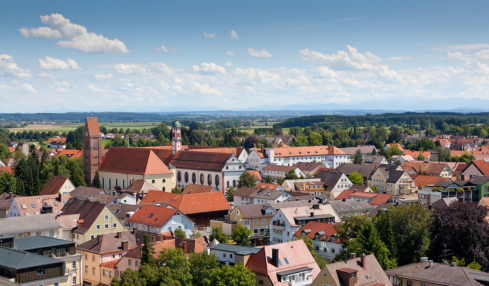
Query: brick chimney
100, 238
119, 234
364, 261
125, 245
134, 230
275, 257
353, 255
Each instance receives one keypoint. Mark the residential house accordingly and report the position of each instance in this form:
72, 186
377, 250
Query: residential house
364, 149
374, 160
308, 168
437, 169
258, 195
399, 146
123, 211
233, 254
287, 221
335, 182
350, 207
442, 203
401, 158
364, 170
476, 168
427, 181
328, 156
198, 189
362, 270
122, 166
415, 155
372, 198
255, 175
257, 160
324, 238
6, 200
430, 273
158, 219
57, 185
101, 253
36, 205
291, 185
279, 172
40, 225
138, 189
95, 219
270, 186
200, 207
312, 187
391, 179
30, 269
56, 143
360, 188
482, 185
56, 248
98, 195
284, 264
68, 224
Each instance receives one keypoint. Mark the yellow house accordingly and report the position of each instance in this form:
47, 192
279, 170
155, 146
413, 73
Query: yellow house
95, 219
101, 254
122, 166
390, 180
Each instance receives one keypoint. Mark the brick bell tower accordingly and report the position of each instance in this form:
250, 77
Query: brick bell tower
92, 150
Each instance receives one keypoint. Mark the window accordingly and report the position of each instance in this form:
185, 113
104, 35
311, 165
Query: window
260, 282
230, 256
209, 179
105, 273
106, 226
409, 283
263, 220
106, 217
93, 258
109, 183
51, 233
86, 257
202, 179
98, 226
234, 183
186, 177
86, 269
179, 176
56, 284
40, 271
224, 255
136, 263
114, 225
73, 264
74, 280
129, 262
163, 189
153, 181
255, 221
216, 180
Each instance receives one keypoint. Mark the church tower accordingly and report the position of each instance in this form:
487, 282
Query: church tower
176, 137
92, 150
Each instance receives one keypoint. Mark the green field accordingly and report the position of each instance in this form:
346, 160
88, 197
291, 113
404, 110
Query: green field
69, 127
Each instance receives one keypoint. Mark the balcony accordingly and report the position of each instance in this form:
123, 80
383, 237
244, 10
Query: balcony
278, 225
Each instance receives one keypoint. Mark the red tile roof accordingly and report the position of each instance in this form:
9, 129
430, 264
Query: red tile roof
482, 165
197, 189
267, 185
7, 169
315, 227
53, 186
152, 215
307, 151
70, 153
11, 149
415, 154
56, 141
110, 264
134, 161
255, 174
422, 180
91, 125
191, 203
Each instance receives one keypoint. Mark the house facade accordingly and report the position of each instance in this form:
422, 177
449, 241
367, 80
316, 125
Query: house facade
160, 219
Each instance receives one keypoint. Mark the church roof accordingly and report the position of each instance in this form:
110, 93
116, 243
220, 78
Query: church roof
200, 160
91, 126
176, 124
133, 161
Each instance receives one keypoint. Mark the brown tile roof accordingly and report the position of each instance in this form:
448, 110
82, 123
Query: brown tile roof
197, 189
267, 185
6, 200
152, 215
245, 191
91, 125
191, 203
364, 170
120, 210
7, 169
373, 271
33, 205
197, 245
482, 165
89, 212
314, 227
53, 186
108, 242
307, 167
358, 188
255, 174
91, 194
197, 160
415, 154
435, 167
422, 180
278, 168
68, 222
296, 253
307, 151
134, 161
140, 186
415, 164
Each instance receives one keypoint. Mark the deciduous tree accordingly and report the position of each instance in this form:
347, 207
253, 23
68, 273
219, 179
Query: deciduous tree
356, 178
246, 180
219, 235
241, 235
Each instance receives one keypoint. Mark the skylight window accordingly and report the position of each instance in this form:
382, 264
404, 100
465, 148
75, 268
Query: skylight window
286, 261
151, 215
55, 203
24, 206
33, 205
279, 262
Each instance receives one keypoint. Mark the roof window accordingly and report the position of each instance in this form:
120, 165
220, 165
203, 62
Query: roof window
24, 206
33, 205
286, 261
151, 215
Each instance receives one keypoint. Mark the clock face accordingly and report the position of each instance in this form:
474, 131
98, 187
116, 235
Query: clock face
86, 133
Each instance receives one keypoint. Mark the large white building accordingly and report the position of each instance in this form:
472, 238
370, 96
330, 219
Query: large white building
328, 156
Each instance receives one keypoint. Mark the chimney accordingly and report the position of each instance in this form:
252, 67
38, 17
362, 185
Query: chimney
454, 263
353, 255
312, 214
355, 190
125, 245
423, 259
100, 238
119, 234
275, 257
430, 262
343, 200
134, 230
315, 206
364, 261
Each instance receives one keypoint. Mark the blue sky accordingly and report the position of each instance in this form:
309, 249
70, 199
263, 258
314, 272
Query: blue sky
155, 55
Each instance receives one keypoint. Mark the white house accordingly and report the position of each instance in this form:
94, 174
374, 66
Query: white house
279, 171
160, 219
329, 156
259, 195
287, 221
37, 225
336, 182
324, 238
232, 254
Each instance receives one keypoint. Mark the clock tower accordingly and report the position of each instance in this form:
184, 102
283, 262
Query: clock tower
92, 150
176, 137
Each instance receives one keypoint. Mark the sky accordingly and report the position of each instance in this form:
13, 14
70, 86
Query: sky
136, 56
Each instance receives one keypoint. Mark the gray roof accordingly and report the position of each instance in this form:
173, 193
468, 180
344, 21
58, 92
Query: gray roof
441, 274
348, 169
329, 179
350, 205
6, 282
258, 210
18, 259
267, 194
445, 202
237, 249
22, 224
365, 149
373, 159
479, 180
36, 242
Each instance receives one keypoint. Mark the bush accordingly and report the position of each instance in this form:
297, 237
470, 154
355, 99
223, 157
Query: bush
459, 190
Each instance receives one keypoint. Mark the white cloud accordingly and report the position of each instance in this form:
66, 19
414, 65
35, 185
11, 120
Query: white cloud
161, 49
233, 35
259, 54
398, 59
143, 69
459, 56
74, 36
482, 55
325, 72
55, 64
229, 54
45, 74
389, 74
210, 36
8, 67
103, 76
27, 87
454, 48
60, 86
209, 68
228, 64
93, 88
257, 76
343, 60
204, 88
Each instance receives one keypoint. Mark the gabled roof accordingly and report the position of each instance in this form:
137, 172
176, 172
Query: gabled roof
17, 259
120, 210
258, 210
36, 242
329, 179
68, 222
278, 168
306, 151
7, 169
152, 215
23, 224
325, 230
255, 174
350, 205
31, 206
422, 180
108, 242
92, 194
294, 252
54, 185
191, 203
140, 186
199, 160
197, 189
136, 161
372, 275
268, 185
481, 165
307, 166
364, 170
365, 149
89, 212
91, 126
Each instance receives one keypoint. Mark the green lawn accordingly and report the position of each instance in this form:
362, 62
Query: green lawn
69, 127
